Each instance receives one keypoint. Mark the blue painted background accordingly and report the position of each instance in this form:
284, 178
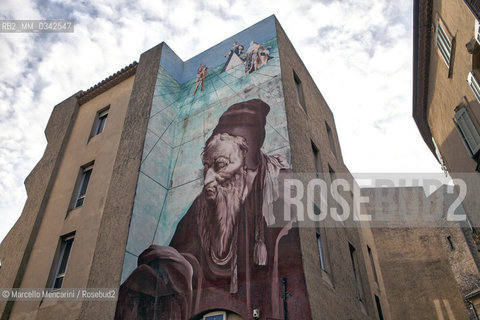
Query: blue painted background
184, 71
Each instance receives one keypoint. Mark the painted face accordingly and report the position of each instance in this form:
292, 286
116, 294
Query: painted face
222, 161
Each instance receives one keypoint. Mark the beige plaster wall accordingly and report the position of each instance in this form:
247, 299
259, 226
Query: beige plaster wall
59, 219
110, 246
417, 263
445, 92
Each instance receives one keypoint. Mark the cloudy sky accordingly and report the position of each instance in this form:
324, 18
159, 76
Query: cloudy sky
359, 52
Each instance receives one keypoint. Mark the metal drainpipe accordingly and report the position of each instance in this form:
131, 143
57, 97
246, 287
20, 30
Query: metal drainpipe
472, 307
285, 296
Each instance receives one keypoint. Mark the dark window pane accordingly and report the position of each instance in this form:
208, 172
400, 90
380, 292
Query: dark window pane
83, 188
58, 283
217, 317
299, 90
79, 202
330, 139
66, 255
352, 258
316, 159
86, 179
320, 251
62, 262
370, 254
101, 123
379, 308
332, 173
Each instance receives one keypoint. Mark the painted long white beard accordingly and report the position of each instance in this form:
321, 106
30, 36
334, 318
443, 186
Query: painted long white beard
228, 205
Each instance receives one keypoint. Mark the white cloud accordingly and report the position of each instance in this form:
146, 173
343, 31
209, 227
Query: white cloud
359, 47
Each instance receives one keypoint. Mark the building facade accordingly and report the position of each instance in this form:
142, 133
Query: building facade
426, 267
166, 182
162, 181
446, 99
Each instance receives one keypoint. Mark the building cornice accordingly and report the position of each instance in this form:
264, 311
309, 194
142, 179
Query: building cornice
422, 36
104, 85
473, 294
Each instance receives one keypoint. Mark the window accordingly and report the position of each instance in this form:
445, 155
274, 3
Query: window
61, 264
477, 31
473, 84
443, 165
353, 258
100, 121
318, 165
316, 159
374, 270
81, 192
379, 308
299, 90
332, 173
316, 209
323, 256
320, 252
330, 139
443, 42
467, 130
216, 315
450, 242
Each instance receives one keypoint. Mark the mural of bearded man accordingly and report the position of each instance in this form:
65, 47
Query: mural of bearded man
225, 252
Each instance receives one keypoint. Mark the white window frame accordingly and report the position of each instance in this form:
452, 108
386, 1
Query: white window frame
101, 122
79, 196
477, 31
443, 165
62, 256
321, 253
443, 43
467, 130
215, 313
474, 85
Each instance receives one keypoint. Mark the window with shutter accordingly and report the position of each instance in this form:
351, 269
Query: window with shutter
467, 130
443, 42
473, 83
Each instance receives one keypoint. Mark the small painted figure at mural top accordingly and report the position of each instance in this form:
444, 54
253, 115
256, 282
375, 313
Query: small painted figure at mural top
225, 251
236, 48
201, 75
257, 56
234, 57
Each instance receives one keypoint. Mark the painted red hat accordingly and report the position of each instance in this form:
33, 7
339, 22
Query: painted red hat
246, 119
